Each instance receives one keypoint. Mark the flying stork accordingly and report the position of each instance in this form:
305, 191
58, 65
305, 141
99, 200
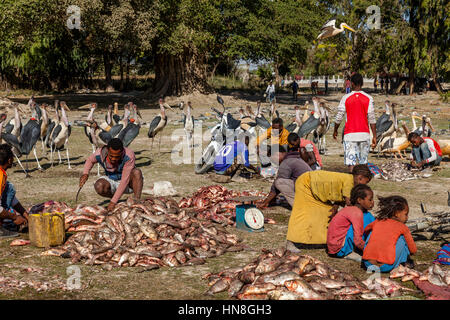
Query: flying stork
159, 122
329, 29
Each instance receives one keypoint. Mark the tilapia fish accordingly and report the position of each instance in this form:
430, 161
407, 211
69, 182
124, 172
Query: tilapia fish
145, 233
282, 275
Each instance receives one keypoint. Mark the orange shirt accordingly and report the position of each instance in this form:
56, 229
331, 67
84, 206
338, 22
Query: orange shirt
385, 233
3, 178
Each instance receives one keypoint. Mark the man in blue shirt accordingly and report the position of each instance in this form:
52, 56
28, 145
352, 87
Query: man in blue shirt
232, 157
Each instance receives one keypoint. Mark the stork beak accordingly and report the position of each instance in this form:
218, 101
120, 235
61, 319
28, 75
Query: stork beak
349, 28
168, 107
416, 117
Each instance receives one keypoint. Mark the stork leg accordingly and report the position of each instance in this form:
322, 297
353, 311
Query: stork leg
20, 164
98, 166
68, 158
51, 156
43, 149
59, 155
37, 160
159, 147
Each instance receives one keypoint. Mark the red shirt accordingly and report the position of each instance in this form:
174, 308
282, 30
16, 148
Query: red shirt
381, 245
304, 143
339, 225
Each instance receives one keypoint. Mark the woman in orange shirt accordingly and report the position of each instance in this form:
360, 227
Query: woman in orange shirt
390, 242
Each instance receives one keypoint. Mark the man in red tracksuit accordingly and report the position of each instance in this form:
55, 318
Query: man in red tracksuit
358, 106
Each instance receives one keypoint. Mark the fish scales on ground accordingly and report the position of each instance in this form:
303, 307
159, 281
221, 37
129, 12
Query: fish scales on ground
283, 275
141, 233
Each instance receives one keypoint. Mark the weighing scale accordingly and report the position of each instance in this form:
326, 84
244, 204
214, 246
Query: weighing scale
248, 217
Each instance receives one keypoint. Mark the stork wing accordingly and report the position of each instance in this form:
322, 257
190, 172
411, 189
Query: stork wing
105, 136
384, 126
153, 126
88, 133
308, 126
129, 134
384, 117
291, 127
56, 132
29, 136
262, 122
50, 128
232, 123
116, 118
11, 140
115, 130
9, 128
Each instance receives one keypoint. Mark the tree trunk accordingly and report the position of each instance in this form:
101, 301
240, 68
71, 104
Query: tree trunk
436, 83
108, 72
121, 73
178, 75
411, 80
213, 72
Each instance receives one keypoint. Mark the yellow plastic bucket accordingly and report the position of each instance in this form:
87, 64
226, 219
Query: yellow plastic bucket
46, 229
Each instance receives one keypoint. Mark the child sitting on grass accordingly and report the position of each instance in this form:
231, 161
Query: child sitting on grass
390, 242
345, 232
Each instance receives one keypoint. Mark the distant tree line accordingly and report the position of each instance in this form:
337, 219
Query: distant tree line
184, 42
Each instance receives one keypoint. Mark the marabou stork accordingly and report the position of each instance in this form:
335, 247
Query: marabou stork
14, 126
384, 122
273, 111
59, 135
313, 121
131, 130
329, 29
249, 112
188, 124
426, 128
45, 121
159, 122
295, 125
396, 144
387, 134
26, 142
322, 129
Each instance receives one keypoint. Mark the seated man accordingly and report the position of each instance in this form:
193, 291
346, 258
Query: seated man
121, 175
307, 149
291, 167
425, 151
233, 157
277, 135
19, 215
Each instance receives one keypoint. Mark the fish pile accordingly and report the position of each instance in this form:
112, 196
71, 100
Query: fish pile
398, 171
149, 233
434, 281
213, 202
80, 218
283, 275
434, 274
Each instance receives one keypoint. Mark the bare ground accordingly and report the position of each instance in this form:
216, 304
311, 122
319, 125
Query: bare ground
60, 183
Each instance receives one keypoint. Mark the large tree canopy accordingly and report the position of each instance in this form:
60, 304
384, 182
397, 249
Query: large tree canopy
183, 41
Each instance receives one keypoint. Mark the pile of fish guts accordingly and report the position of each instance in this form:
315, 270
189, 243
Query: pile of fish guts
149, 234
283, 275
